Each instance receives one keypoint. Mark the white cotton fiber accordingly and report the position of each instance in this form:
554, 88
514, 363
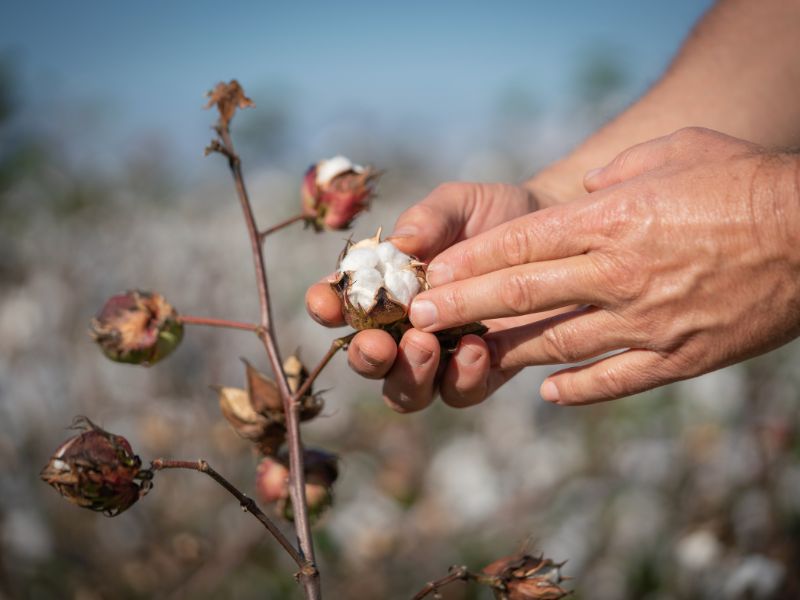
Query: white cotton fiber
364, 287
359, 258
402, 284
390, 257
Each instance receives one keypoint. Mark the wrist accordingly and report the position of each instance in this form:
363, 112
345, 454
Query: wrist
776, 191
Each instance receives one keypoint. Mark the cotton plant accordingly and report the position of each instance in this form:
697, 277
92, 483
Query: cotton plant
376, 283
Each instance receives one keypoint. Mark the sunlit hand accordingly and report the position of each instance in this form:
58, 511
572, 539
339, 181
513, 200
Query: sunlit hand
451, 213
685, 257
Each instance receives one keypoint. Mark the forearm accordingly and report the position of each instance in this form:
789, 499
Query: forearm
737, 73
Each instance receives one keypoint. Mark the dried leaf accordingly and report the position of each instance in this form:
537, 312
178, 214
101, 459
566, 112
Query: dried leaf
228, 97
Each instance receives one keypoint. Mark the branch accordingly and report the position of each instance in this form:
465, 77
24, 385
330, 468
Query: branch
336, 345
263, 235
210, 322
246, 502
309, 576
457, 573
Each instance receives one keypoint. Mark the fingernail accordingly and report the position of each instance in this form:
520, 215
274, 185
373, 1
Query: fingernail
416, 355
468, 355
423, 313
439, 274
404, 231
549, 392
592, 174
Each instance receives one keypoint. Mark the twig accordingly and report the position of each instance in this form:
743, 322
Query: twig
309, 575
457, 573
246, 502
336, 345
263, 234
210, 322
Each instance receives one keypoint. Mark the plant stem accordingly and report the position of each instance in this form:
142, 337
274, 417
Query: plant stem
310, 575
262, 235
456, 573
247, 503
336, 345
210, 322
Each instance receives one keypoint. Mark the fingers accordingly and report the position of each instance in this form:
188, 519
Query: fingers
567, 338
555, 232
510, 292
614, 377
454, 211
466, 380
324, 305
409, 386
372, 353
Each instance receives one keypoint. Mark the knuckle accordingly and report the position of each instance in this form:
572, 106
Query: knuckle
515, 294
559, 346
450, 188
689, 134
515, 245
456, 310
621, 277
610, 382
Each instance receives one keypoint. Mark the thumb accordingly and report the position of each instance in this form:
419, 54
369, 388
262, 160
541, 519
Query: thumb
628, 164
682, 146
455, 211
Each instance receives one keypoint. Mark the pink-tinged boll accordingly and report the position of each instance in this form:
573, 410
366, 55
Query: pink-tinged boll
335, 191
97, 470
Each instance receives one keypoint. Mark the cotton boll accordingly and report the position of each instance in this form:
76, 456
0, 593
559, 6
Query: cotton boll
330, 168
359, 258
390, 257
364, 287
402, 284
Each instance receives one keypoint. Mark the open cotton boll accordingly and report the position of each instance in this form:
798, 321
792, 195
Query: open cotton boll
330, 168
359, 258
402, 284
376, 283
364, 287
390, 257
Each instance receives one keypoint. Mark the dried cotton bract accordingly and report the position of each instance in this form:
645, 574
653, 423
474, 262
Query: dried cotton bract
376, 283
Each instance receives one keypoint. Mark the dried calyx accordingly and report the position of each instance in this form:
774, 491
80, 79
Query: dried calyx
335, 191
526, 577
256, 414
97, 470
137, 327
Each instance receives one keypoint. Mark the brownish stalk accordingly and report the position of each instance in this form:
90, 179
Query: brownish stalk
309, 575
336, 345
262, 235
210, 322
457, 573
246, 502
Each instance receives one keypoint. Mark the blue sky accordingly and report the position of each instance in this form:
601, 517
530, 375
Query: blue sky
444, 63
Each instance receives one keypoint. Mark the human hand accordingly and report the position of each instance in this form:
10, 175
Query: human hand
685, 256
451, 213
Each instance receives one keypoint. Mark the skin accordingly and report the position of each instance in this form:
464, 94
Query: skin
682, 257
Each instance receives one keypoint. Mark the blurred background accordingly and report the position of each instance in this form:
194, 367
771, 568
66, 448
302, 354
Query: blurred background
690, 491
